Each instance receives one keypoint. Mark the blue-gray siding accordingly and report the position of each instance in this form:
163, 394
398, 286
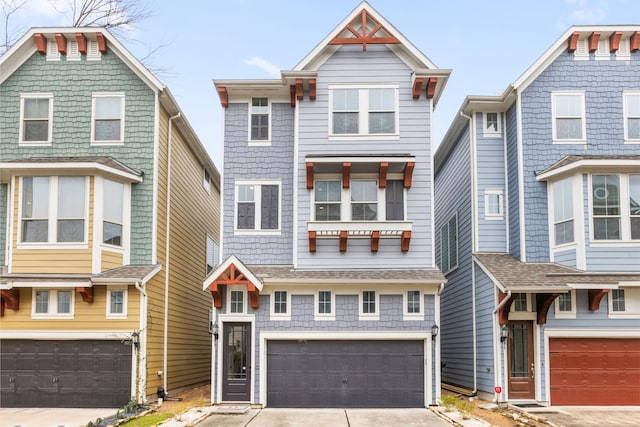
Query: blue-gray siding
513, 190
485, 304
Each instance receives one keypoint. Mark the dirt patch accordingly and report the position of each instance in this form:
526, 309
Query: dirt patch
199, 396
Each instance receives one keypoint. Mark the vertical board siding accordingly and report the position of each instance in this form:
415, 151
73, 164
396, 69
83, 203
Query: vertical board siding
377, 65
453, 195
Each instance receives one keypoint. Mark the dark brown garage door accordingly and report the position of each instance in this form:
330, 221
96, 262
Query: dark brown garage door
594, 371
64, 374
345, 374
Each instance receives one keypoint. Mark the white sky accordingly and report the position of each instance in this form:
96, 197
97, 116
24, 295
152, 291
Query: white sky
487, 44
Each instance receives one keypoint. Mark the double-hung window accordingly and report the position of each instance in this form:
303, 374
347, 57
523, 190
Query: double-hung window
606, 207
563, 211
36, 118
364, 200
257, 206
632, 117
108, 118
493, 204
491, 125
52, 303
113, 213
394, 194
565, 305
328, 197
117, 302
568, 117
413, 307
634, 205
364, 110
53, 209
449, 245
259, 119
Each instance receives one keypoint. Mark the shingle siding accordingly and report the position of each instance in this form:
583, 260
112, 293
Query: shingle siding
513, 190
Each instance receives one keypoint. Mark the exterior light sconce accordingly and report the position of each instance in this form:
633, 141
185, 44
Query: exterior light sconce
135, 339
215, 330
434, 331
504, 333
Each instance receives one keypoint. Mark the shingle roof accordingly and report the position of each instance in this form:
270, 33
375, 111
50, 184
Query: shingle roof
126, 273
516, 275
102, 160
567, 160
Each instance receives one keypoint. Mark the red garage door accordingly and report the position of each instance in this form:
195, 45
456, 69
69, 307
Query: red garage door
594, 371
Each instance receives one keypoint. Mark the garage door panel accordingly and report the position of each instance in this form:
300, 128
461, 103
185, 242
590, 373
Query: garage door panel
345, 374
594, 371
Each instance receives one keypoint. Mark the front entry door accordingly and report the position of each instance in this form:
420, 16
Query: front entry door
521, 360
236, 360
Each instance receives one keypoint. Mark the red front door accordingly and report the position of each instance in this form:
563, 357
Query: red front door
520, 360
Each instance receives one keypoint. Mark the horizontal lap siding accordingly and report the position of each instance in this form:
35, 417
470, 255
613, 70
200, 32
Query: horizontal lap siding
485, 303
111, 260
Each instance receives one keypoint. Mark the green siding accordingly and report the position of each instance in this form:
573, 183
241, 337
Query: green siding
3, 223
72, 84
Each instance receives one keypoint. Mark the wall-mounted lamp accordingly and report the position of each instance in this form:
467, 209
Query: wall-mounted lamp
214, 329
504, 333
434, 331
135, 339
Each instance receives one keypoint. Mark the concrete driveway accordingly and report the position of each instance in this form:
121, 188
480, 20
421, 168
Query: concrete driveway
585, 416
51, 417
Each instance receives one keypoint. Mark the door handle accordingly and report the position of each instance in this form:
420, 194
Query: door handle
533, 371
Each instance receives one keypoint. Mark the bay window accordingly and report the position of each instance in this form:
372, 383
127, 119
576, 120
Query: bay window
113, 213
632, 116
563, 211
605, 191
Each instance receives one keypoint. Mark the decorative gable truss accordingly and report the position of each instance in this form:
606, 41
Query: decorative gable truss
232, 272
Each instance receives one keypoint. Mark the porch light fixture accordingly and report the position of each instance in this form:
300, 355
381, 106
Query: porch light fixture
434, 331
135, 339
215, 330
504, 333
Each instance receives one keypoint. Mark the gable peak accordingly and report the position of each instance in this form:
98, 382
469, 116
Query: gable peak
364, 29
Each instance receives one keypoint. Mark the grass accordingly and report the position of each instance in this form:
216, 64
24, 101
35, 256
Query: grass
148, 420
451, 402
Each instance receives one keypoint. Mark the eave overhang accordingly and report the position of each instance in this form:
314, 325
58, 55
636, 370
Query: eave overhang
70, 166
572, 165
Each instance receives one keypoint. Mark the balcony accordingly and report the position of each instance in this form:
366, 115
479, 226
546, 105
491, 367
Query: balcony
374, 230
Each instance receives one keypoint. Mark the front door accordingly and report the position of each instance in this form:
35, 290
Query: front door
236, 360
521, 360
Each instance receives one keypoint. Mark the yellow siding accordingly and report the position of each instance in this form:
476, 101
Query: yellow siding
87, 316
194, 214
110, 260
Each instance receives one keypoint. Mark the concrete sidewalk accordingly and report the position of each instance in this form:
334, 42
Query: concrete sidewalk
52, 417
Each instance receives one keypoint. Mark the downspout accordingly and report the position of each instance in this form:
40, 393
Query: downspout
166, 254
141, 360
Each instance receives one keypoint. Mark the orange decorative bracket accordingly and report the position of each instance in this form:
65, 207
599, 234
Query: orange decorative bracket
346, 174
595, 295
408, 174
312, 89
431, 87
299, 90
343, 241
405, 241
217, 295
634, 41
292, 95
62, 43
9, 298
82, 43
254, 296
593, 41
41, 43
312, 241
503, 313
543, 302
86, 293
417, 87
382, 174
102, 43
614, 41
573, 42
375, 241
309, 166
224, 96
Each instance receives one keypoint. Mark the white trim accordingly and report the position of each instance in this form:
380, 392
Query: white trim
625, 97
66, 334
583, 117
272, 304
362, 159
53, 54
506, 189
631, 304
602, 52
490, 216
11, 189
486, 133
475, 230
93, 52
73, 53
432, 181
521, 210
236, 318
624, 50
553, 247
405, 305
259, 142
571, 314
94, 97
317, 316
295, 182
52, 304
245, 300
368, 316
154, 187
47, 142
125, 298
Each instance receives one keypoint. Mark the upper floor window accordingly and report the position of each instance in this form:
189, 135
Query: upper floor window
364, 111
634, 205
206, 180
492, 127
117, 302
327, 200
257, 206
615, 201
211, 254
324, 302
493, 204
52, 303
449, 245
108, 118
632, 117
364, 200
369, 302
53, 209
568, 117
36, 112
394, 194
563, 211
113, 222
259, 119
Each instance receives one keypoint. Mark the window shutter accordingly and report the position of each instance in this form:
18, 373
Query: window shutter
395, 200
269, 214
246, 216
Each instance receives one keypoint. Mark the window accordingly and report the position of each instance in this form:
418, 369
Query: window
117, 302
368, 302
108, 118
364, 200
563, 211
327, 200
36, 117
624, 303
364, 111
632, 117
394, 194
565, 306
211, 255
493, 204
449, 245
492, 127
113, 213
617, 300
412, 305
520, 303
53, 209
259, 119
568, 117
206, 180
258, 206
236, 301
280, 302
606, 207
634, 206
49, 303
324, 302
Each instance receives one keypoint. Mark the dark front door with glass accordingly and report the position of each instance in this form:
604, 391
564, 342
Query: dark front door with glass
236, 360
521, 360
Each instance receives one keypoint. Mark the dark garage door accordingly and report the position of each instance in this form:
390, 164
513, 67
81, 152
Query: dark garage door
345, 374
64, 374
594, 371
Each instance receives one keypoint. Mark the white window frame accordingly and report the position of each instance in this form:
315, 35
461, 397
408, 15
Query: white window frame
206, 180
316, 306
625, 216
552, 222
260, 142
405, 305
365, 202
210, 254
52, 312
125, 302
489, 133
571, 314
493, 216
280, 316
258, 206
99, 95
631, 303
625, 96
52, 218
363, 116
368, 316
245, 300
25, 96
446, 269
554, 116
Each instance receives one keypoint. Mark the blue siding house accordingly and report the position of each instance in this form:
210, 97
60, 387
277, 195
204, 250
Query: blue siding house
537, 229
327, 294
